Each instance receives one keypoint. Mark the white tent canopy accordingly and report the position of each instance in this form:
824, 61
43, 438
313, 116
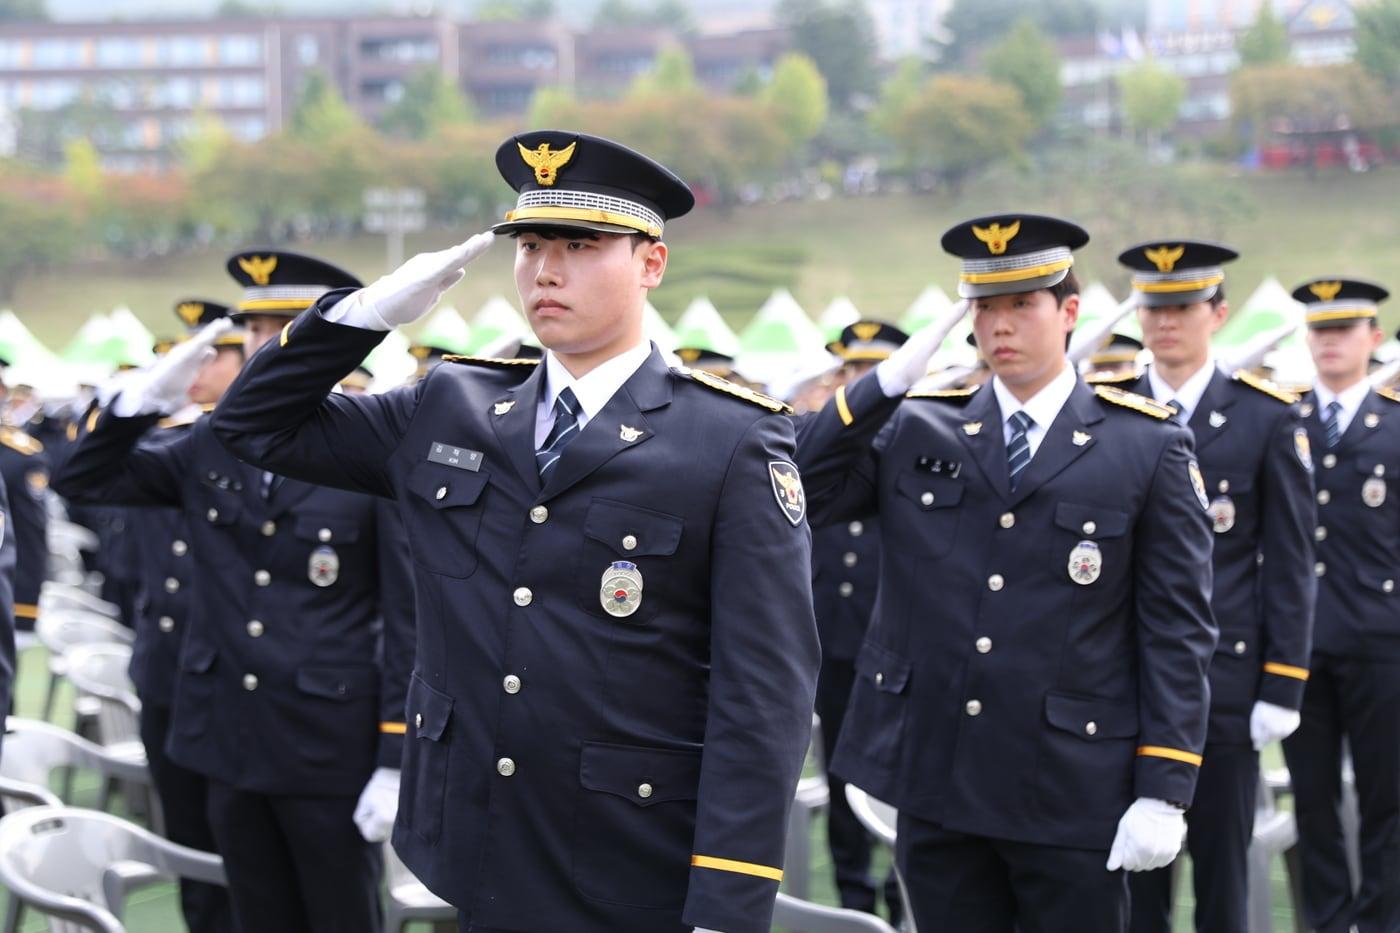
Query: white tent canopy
701, 325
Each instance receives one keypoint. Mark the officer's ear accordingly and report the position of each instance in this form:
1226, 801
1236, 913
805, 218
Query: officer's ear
652, 254
1070, 308
1377, 335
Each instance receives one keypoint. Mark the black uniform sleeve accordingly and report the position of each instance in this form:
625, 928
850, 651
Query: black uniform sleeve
1288, 516
107, 467
397, 608
7, 600
838, 451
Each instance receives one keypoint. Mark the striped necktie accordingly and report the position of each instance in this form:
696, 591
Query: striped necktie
1332, 424
561, 435
1018, 449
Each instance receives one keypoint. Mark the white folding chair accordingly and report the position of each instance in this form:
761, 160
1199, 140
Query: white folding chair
34, 750
880, 820
1275, 833
794, 914
78, 866
810, 800
410, 901
16, 795
62, 629
99, 671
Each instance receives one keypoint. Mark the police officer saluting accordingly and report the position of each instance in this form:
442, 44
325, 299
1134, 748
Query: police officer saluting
290, 694
616, 649
1257, 463
1353, 687
1032, 691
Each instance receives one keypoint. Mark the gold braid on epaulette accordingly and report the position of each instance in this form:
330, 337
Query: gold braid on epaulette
1390, 395
945, 395
1271, 389
720, 384
17, 440
1112, 378
488, 360
1138, 403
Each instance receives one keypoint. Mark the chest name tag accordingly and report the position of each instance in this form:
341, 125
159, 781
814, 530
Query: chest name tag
459, 457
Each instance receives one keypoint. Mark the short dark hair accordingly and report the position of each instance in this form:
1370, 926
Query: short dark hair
1067, 286
1218, 298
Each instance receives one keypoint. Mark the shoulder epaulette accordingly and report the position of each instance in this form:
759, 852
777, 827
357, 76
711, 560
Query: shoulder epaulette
719, 384
1390, 395
955, 396
1112, 378
1138, 403
183, 419
1299, 389
492, 361
16, 439
1272, 389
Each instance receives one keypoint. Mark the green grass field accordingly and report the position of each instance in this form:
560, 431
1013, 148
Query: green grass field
880, 251
156, 909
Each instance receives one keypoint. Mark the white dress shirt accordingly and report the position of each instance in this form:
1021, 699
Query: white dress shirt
1350, 399
1188, 397
1043, 407
593, 390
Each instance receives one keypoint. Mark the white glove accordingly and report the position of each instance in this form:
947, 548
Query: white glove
164, 387
908, 364
704, 930
411, 290
1149, 836
378, 805
1270, 723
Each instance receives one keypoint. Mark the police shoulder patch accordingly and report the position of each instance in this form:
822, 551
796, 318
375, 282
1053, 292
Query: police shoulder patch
1390, 395
1303, 448
787, 489
954, 396
711, 381
1259, 384
1131, 400
491, 361
1112, 378
1198, 484
16, 439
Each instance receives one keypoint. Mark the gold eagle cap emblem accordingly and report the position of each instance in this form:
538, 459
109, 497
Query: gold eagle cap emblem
689, 354
259, 268
865, 331
547, 162
190, 312
1164, 257
1325, 291
996, 236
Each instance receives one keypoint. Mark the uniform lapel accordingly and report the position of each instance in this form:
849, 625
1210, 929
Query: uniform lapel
619, 426
1358, 431
984, 435
1209, 419
286, 493
512, 416
1069, 436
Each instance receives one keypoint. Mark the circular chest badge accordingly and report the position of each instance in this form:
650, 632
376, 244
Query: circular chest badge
1085, 563
621, 590
1222, 514
324, 567
1373, 492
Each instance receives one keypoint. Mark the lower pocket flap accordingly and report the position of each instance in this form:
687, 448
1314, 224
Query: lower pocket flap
642, 775
198, 658
428, 710
340, 682
1382, 581
1092, 719
888, 671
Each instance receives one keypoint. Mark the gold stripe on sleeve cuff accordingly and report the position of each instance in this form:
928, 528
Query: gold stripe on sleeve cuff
741, 868
842, 408
394, 728
1158, 751
1285, 670
26, 610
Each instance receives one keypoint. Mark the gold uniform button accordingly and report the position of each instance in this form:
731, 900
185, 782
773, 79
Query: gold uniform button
523, 596
1329, 461
539, 515
250, 682
417, 720
629, 542
644, 791
172, 585
1320, 533
505, 767
179, 548
926, 498
974, 707
1323, 497
1007, 520
995, 582
845, 589
1319, 568
511, 684
984, 645
268, 529
441, 493
1091, 728
262, 578
167, 624
212, 515
856, 529
323, 535
849, 558
1241, 647
255, 629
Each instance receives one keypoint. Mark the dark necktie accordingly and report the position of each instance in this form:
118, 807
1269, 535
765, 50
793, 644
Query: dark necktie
1332, 424
561, 435
1018, 449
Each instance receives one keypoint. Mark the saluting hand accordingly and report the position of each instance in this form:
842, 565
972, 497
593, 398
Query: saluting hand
411, 290
909, 363
164, 386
